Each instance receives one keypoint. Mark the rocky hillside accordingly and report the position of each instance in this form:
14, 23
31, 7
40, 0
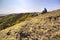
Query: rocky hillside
42, 27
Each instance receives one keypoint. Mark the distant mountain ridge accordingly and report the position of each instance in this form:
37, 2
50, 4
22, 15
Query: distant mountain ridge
3, 14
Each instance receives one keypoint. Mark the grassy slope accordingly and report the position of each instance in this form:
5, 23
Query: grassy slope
42, 27
13, 19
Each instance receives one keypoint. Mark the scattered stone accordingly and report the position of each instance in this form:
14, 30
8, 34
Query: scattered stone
8, 33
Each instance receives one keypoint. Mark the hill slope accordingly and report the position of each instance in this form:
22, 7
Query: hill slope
43, 27
12, 19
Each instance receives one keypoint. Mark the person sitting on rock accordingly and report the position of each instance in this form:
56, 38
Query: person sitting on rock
44, 11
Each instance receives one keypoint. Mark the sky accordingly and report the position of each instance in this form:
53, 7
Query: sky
18, 6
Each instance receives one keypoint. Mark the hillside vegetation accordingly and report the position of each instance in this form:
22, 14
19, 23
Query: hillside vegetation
42, 27
12, 19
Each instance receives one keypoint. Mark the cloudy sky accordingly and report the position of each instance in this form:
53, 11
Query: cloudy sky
17, 6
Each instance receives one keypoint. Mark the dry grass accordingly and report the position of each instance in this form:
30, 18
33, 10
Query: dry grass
43, 27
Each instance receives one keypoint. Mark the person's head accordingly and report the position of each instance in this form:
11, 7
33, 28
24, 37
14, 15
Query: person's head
44, 8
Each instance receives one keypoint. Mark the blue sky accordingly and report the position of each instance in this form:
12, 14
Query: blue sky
17, 6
